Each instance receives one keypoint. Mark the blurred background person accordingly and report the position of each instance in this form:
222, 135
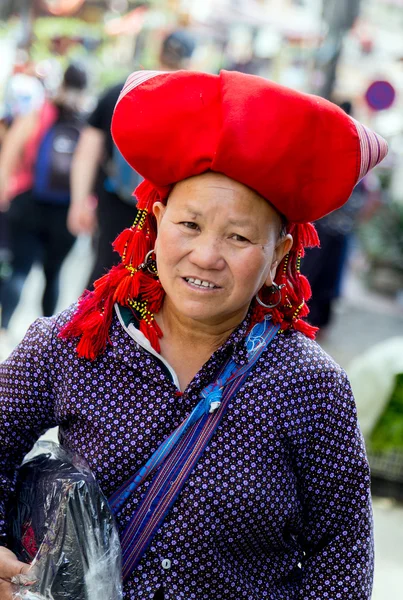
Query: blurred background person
35, 163
99, 168
23, 94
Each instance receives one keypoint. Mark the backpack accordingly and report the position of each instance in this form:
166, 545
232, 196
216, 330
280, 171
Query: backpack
51, 182
122, 180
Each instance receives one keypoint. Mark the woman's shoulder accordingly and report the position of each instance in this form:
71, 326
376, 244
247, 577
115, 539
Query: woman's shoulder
53, 325
42, 334
304, 383
299, 364
295, 349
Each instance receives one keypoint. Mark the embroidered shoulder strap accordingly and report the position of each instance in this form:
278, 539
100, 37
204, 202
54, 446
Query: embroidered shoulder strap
175, 459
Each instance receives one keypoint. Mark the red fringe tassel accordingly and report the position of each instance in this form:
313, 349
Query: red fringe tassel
292, 308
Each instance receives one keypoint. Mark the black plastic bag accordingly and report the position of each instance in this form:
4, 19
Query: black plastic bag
63, 526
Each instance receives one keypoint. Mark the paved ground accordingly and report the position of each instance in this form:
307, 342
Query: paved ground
362, 319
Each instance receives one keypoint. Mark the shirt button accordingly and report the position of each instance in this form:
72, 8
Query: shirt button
166, 564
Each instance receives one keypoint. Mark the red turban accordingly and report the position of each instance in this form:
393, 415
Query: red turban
300, 152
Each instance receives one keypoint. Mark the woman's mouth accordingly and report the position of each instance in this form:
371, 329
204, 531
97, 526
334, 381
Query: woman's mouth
201, 283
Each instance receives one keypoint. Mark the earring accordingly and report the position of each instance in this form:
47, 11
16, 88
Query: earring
273, 289
149, 264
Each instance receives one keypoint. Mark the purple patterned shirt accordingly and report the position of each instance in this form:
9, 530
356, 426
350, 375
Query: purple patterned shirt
278, 506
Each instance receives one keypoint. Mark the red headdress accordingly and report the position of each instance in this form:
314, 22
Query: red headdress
300, 152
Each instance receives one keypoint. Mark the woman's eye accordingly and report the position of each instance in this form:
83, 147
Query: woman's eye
189, 225
239, 238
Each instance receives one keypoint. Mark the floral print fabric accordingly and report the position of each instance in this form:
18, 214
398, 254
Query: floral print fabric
278, 507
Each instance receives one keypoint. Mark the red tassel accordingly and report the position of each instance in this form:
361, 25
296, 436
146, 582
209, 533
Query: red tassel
146, 194
304, 235
297, 291
96, 333
105, 284
93, 316
119, 245
152, 291
152, 333
138, 244
306, 291
304, 327
127, 289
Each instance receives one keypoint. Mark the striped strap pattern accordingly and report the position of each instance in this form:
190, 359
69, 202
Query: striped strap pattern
373, 148
164, 490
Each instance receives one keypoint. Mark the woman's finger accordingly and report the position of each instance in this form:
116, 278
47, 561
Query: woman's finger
10, 566
6, 590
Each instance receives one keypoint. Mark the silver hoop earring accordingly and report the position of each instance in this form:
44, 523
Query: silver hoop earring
273, 289
149, 264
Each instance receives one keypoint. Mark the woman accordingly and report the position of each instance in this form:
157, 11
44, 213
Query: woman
224, 437
34, 176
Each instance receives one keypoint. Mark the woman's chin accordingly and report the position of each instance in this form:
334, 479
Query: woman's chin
200, 314
208, 314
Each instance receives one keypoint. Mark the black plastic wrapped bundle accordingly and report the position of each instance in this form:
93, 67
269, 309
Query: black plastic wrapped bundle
63, 525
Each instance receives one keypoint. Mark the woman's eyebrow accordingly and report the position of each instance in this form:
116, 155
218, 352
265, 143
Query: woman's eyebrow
247, 222
192, 212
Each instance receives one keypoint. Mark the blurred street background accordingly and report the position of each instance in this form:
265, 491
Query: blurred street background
348, 51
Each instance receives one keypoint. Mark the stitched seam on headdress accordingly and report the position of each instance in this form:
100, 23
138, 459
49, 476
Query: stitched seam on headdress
136, 79
373, 148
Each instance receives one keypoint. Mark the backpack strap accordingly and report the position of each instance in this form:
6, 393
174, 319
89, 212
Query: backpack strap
175, 459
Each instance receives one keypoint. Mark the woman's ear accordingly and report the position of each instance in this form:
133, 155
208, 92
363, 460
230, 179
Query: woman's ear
158, 210
282, 248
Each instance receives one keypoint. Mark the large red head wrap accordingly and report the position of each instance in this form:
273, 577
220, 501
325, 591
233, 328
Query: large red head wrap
300, 152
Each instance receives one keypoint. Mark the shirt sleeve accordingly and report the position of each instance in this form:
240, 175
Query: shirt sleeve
334, 484
26, 406
96, 117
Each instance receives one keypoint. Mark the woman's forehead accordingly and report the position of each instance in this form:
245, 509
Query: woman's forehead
212, 191
211, 180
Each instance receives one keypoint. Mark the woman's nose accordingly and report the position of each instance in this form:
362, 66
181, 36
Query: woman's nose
207, 253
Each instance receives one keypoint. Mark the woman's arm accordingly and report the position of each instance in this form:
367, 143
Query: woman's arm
86, 160
334, 484
12, 152
26, 405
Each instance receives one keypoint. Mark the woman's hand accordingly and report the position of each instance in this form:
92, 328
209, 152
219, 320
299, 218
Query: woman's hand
10, 567
81, 218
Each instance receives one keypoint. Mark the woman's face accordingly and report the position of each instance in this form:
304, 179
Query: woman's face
218, 242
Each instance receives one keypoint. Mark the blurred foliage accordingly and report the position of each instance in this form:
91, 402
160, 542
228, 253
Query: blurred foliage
385, 176
382, 236
48, 27
72, 38
388, 432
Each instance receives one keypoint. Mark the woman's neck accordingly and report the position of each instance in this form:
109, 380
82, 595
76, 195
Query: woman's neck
195, 334
187, 344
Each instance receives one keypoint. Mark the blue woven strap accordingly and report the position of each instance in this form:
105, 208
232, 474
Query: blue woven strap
260, 335
177, 456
